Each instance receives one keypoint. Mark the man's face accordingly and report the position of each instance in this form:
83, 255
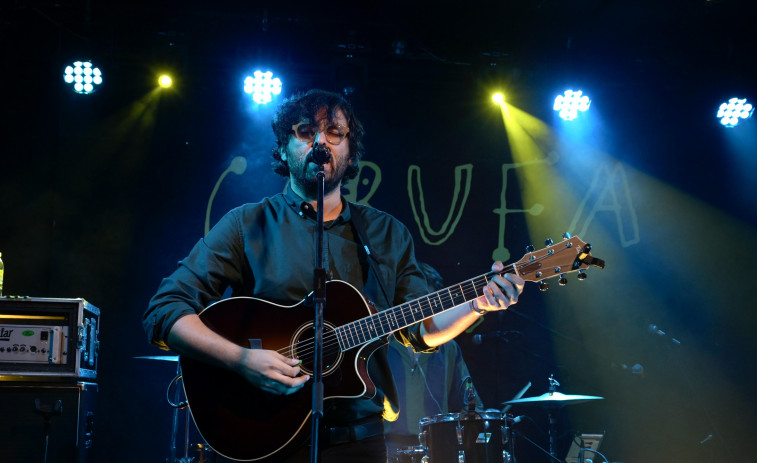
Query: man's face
302, 169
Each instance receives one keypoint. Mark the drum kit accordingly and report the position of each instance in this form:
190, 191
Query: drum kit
483, 437
467, 437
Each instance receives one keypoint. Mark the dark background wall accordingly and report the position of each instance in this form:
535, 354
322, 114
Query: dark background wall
103, 194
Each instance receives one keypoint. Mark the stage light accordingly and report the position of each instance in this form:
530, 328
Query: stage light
84, 77
734, 109
262, 86
570, 103
498, 98
165, 81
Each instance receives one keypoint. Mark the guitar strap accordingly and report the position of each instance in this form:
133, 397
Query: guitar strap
373, 262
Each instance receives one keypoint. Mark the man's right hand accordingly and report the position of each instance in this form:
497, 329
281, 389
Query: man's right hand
271, 371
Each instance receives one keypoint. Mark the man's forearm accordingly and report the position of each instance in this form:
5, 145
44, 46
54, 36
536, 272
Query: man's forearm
447, 325
191, 337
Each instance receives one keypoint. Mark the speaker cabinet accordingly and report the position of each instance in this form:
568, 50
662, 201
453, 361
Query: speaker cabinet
56, 420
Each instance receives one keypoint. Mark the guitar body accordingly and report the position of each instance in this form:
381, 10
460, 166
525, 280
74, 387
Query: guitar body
245, 423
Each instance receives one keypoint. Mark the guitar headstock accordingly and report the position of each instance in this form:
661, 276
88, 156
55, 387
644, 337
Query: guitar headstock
557, 260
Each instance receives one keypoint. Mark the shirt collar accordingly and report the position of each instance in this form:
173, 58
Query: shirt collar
304, 209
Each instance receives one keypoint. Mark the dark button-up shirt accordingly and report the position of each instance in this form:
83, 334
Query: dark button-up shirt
267, 250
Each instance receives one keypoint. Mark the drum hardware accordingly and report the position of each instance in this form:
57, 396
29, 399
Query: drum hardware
519, 435
415, 454
552, 400
199, 453
193, 453
520, 394
165, 358
467, 437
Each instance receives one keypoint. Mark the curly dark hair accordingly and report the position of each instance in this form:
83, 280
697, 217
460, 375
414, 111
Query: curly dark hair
305, 106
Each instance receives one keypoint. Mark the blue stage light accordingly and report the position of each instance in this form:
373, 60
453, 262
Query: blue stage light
570, 103
262, 86
84, 77
734, 110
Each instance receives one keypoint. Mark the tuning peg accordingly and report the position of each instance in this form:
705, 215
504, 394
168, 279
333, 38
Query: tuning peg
566, 236
543, 286
548, 242
582, 276
562, 281
530, 248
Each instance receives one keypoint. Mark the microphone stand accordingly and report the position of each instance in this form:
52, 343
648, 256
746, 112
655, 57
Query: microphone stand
319, 293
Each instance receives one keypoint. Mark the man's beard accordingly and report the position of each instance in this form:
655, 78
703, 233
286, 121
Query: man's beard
305, 177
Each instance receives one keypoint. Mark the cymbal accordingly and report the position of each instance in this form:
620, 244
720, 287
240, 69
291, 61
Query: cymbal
165, 358
553, 400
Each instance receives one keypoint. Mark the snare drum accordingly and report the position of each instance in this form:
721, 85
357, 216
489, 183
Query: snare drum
468, 437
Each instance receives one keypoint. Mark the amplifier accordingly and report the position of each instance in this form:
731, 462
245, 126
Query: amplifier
52, 422
45, 337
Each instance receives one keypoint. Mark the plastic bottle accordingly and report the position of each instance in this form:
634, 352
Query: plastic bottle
2, 270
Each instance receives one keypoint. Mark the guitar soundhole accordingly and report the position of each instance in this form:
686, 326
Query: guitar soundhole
303, 344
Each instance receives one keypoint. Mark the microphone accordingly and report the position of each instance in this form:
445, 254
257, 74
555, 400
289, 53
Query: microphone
469, 393
479, 338
321, 154
655, 330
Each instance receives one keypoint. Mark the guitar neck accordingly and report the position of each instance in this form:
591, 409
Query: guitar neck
570, 255
388, 321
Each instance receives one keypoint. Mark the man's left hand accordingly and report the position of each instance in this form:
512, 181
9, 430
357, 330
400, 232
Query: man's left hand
501, 292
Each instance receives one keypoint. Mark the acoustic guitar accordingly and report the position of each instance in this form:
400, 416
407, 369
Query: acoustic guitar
245, 423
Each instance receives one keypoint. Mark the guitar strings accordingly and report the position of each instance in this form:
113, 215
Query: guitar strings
405, 312
304, 348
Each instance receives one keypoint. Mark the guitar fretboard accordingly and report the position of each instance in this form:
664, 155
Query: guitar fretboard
388, 321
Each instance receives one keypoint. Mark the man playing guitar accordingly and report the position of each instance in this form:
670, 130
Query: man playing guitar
266, 251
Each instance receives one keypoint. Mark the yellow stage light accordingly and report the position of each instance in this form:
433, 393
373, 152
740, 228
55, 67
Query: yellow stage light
498, 98
165, 81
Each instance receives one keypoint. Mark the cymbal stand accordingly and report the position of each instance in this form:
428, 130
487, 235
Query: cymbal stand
537, 446
177, 405
551, 429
